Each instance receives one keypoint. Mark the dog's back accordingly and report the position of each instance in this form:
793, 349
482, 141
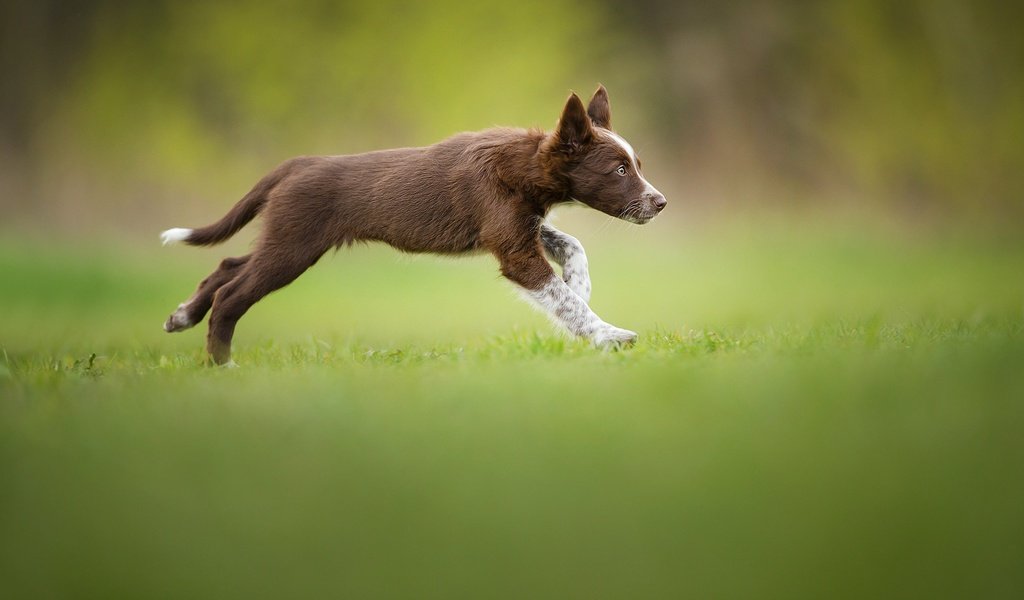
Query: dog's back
432, 199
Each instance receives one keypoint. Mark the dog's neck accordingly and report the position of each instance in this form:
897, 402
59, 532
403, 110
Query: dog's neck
528, 167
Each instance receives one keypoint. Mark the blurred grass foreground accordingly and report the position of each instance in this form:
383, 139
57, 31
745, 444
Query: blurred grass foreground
802, 417
825, 401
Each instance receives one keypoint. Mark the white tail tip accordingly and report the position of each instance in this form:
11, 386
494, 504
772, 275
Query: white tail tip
173, 236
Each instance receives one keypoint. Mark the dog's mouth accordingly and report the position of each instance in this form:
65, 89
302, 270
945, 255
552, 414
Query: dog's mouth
643, 210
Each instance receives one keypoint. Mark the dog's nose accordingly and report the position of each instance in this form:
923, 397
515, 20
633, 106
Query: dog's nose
659, 202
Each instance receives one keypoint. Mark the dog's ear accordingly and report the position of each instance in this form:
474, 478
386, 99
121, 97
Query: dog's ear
574, 127
600, 110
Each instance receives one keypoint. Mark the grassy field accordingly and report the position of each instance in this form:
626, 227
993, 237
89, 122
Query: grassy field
822, 412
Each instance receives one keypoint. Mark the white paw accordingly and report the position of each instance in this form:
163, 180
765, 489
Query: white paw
178, 321
610, 337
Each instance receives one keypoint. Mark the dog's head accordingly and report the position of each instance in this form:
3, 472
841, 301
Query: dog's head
601, 168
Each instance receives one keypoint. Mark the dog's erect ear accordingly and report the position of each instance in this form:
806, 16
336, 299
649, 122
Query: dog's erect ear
600, 110
574, 128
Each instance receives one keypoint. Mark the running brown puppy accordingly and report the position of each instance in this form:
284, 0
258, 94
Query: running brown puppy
489, 190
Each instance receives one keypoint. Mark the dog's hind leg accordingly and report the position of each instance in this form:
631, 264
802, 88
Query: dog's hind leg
568, 252
192, 311
266, 271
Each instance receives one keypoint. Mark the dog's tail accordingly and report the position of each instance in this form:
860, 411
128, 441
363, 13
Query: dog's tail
239, 215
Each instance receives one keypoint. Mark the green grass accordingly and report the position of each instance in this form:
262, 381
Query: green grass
819, 412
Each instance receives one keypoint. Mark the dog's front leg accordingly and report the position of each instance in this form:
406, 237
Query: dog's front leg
566, 307
568, 252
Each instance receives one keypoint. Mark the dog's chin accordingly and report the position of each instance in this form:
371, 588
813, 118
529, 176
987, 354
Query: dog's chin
641, 219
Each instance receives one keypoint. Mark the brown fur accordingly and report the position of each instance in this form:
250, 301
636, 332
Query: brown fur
487, 190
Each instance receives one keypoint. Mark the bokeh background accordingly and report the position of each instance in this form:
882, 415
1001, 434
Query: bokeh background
120, 115
824, 402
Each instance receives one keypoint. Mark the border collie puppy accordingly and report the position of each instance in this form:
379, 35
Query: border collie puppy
489, 190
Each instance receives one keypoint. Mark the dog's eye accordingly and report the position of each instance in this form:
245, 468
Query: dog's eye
621, 170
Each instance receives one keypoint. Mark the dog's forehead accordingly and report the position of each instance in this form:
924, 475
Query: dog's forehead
618, 141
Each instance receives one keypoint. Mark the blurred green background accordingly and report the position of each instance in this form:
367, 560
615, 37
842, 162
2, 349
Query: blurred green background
121, 114
825, 400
